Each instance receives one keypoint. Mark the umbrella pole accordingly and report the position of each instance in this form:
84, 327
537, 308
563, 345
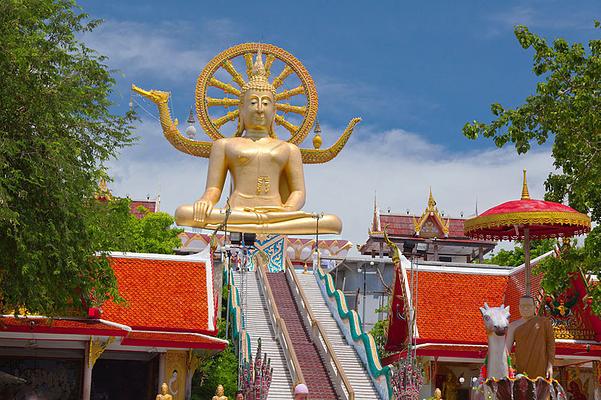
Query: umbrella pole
528, 272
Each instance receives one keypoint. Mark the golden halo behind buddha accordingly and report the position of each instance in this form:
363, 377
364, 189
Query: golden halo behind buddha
257, 77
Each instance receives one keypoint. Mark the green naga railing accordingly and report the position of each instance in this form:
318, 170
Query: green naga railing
362, 339
237, 320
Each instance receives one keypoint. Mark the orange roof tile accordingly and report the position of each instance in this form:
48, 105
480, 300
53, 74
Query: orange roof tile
448, 307
165, 339
161, 295
59, 326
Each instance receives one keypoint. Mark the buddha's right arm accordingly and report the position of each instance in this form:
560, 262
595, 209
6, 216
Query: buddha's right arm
216, 173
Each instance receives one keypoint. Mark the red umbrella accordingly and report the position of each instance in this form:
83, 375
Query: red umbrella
527, 219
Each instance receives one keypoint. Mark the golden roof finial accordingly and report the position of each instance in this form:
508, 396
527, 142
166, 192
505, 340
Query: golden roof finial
525, 194
431, 201
375, 222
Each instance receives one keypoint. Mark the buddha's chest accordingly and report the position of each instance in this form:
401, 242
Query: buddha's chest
260, 155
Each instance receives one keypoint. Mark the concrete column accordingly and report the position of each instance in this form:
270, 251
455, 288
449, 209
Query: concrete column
87, 374
480, 254
161, 371
435, 252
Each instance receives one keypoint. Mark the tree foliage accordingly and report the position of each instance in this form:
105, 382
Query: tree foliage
114, 228
566, 110
515, 257
56, 130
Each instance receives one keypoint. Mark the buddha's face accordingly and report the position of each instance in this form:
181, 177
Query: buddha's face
219, 391
164, 388
257, 110
527, 307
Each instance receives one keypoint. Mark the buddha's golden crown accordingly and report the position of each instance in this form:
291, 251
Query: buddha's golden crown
258, 78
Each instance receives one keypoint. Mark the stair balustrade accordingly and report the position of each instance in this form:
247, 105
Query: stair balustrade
279, 327
319, 337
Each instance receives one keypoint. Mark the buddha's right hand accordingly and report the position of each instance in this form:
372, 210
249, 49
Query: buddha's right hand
202, 208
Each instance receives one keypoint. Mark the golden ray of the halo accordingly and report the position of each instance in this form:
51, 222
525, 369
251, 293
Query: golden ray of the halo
286, 94
290, 108
286, 124
226, 102
229, 67
268, 61
248, 52
232, 115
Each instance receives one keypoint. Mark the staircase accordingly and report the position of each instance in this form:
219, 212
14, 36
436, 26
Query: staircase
258, 326
314, 371
346, 354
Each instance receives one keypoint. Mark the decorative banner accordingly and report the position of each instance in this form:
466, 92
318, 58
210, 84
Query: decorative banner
273, 247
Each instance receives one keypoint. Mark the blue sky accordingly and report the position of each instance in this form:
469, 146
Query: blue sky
415, 71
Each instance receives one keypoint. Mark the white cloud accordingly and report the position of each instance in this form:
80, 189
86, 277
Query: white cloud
570, 17
163, 49
399, 165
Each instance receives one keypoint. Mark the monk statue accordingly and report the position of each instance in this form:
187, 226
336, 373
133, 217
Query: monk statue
268, 186
164, 395
219, 393
534, 342
450, 387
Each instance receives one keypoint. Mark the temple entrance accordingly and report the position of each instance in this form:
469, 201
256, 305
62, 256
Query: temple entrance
125, 379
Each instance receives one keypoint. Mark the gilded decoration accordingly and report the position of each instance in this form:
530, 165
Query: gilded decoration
267, 173
212, 126
526, 218
424, 226
176, 368
96, 348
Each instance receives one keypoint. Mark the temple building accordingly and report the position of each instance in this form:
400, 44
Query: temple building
120, 350
429, 236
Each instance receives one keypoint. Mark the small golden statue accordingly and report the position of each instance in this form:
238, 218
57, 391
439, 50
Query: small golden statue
266, 172
219, 393
164, 395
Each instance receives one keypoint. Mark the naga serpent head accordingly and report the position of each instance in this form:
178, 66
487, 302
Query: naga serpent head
156, 96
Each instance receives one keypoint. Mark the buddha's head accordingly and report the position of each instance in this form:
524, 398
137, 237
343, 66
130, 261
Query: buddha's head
164, 388
257, 102
526, 307
219, 391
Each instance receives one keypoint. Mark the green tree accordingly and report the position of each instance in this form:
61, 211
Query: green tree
515, 257
115, 228
565, 110
56, 131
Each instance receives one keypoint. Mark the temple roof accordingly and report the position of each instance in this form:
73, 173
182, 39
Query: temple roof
162, 294
170, 303
448, 317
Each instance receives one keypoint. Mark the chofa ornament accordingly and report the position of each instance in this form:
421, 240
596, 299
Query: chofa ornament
224, 62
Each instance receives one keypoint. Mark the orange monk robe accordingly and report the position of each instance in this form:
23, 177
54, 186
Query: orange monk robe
534, 347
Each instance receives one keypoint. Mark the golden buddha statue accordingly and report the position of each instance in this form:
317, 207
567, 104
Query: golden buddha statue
220, 393
266, 172
164, 395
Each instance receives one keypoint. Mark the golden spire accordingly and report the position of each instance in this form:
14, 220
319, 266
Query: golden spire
525, 194
375, 223
431, 202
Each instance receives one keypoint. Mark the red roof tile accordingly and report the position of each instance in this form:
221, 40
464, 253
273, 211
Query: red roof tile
160, 295
165, 339
150, 205
59, 326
